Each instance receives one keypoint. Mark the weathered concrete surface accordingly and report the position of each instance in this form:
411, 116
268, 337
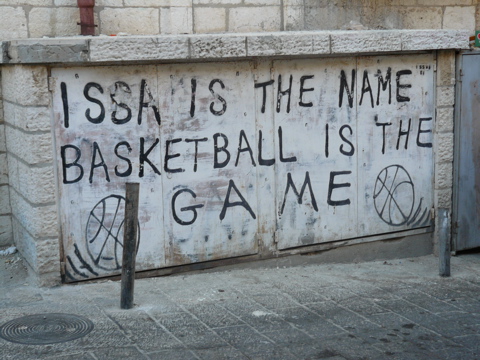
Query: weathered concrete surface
236, 46
396, 309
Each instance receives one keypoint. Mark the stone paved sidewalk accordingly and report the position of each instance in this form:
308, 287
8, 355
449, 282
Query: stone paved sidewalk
398, 309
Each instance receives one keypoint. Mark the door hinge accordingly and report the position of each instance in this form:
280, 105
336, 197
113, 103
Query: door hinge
455, 227
275, 237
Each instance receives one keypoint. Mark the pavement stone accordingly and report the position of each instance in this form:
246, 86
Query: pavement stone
396, 309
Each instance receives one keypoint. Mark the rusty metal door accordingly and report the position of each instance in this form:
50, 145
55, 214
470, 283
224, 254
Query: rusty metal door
466, 214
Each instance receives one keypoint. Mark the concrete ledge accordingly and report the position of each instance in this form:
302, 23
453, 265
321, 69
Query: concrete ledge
51, 51
103, 49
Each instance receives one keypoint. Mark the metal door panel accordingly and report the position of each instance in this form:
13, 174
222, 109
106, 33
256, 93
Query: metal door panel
210, 192
395, 142
308, 136
467, 180
353, 167
98, 148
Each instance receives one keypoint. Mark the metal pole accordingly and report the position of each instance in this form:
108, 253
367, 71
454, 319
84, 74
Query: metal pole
444, 242
129, 245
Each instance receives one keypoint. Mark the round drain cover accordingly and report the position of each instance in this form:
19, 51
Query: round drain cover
45, 329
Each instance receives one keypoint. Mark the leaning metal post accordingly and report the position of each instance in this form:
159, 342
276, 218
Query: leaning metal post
444, 242
129, 245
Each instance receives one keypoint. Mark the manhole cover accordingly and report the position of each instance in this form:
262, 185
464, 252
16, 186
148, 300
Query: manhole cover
45, 329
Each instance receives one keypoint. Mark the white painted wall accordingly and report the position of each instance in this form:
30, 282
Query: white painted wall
333, 163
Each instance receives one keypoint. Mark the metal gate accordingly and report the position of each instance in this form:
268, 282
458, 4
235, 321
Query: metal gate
466, 214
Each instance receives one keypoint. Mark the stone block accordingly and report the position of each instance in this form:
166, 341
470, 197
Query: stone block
443, 198
32, 2
421, 17
39, 221
434, 40
49, 51
217, 2
6, 231
381, 17
345, 42
252, 19
13, 23
209, 46
260, 2
3, 144
49, 280
324, 18
4, 57
25, 244
293, 18
48, 256
176, 20
322, 43
37, 184
133, 21
3, 169
443, 175
444, 120
459, 17
9, 112
446, 68
288, 44
318, 3
109, 3
4, 200
181, 20
55, 21
293, 2
444, 147
157, 3
444, 2
209, 20
31, 148
445, 95
12, 164
138, 48
28, 118
26, 85
67, 3
33, 118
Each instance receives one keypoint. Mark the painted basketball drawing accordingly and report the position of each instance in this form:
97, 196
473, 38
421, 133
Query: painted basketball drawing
104, 232
394, 195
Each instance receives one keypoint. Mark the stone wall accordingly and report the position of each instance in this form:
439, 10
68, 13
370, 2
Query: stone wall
6, 235
443, 146
53, 18
29, 154
27, 185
